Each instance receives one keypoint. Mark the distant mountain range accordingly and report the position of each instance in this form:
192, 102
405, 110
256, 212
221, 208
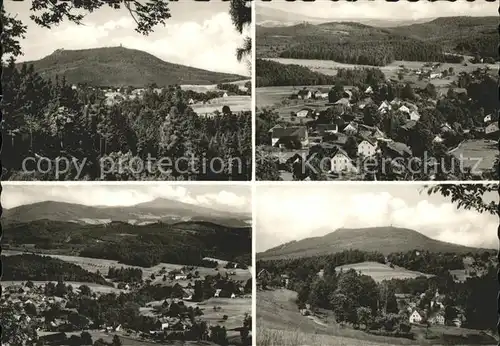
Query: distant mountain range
385, 240
271, 17
121, 67
163, 210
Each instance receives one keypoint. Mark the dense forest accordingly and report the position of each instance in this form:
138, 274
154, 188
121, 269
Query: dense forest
374, 53
355, 43
147, 246
154, 137
271, 73
45, 268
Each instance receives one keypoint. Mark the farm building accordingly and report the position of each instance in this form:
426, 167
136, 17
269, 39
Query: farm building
323, 129
384, 107
304, 94
398, 149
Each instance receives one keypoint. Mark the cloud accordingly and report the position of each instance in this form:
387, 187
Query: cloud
127, 195
210, 44
291, 213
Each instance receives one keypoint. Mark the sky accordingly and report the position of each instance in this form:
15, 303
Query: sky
198, 34
378, 9
285, 213
220, 197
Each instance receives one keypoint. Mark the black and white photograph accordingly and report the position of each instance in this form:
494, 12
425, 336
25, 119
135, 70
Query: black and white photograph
127, 90
126, 264
376, 264
377, 90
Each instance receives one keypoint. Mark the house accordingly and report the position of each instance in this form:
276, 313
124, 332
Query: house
342, 105
404, 109
323, 129
369, 90
436, 75
414, 116
410, 124
350, 129
297, 132
303, 113
367, 147
225, 94
304, 94
491, 128
233, 295
446, 128
363, 103
384, 107
217, 293
457, 322
437, 319
341, 162
415, 317
285, 279
437, 139
191, 101
398, 149
181, 277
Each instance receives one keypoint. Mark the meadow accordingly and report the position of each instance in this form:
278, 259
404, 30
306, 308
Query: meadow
103, 265
380, 272
235, 103
329, 67
478, 154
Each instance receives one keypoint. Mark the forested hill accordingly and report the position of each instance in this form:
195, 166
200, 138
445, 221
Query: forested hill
147, 245
357, 43
385, 240
121, 67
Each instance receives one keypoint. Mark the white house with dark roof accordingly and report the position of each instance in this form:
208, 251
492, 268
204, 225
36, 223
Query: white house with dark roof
367, 147
341, 162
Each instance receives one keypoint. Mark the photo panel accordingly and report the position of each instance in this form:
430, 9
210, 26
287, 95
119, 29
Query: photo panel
376, 264
130, 90
126, 264
376, 90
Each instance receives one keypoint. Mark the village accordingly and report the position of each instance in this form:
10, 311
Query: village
182, 306
347, 127
412, 308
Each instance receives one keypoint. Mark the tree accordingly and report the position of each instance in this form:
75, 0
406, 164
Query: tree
86, 338
469, 196
116, 341
364, 316
16, 330
241, 15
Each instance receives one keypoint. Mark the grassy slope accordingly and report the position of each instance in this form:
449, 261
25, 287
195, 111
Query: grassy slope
382, 239
117, 66
380, 272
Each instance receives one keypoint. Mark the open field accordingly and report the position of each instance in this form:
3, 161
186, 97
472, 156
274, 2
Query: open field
94, 287
329, 67
279, 323
102, 265
270, 96
235, 103
205, 88
380, 272
479, 154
